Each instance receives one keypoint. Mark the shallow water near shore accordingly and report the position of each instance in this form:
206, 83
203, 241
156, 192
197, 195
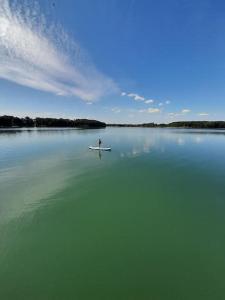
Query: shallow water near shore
144, 221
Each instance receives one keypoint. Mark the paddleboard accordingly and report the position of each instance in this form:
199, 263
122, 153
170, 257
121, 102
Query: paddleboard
100, 148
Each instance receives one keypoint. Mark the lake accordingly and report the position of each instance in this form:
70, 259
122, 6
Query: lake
144, 221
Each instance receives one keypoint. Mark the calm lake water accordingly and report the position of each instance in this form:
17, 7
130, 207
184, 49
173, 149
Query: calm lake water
144, 221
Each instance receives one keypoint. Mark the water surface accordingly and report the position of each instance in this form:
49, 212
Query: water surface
144, 221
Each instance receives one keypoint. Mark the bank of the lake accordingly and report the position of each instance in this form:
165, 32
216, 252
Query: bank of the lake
178, 124
40, 122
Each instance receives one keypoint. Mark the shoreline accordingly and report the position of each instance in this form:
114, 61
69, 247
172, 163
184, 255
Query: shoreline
38, 122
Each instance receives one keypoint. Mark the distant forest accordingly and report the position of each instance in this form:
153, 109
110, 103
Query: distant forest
10, 121
180, 124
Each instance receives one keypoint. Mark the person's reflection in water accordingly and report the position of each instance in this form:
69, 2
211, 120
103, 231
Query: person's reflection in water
100, 154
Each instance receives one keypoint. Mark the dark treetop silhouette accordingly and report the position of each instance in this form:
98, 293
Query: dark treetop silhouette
179, 124
10, 121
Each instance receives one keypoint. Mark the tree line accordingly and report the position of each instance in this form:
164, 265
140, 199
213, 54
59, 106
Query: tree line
199, 124
11, 121
179, 124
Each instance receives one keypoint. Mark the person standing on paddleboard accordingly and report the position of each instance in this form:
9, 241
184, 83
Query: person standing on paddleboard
99, 143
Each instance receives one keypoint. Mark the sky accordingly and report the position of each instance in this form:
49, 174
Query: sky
128, 61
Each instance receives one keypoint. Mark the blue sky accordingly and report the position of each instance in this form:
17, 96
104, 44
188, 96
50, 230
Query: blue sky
112, 60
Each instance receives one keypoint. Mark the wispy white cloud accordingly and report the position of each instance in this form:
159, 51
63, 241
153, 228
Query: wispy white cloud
153, 110
185, 111
36, 55
149, 110
136, 97
177, 114
203, 114
131, 95
149, 101
139, 98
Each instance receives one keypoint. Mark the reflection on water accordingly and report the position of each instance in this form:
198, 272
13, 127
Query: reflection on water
199, 131
100, 154
26, 185
161, 138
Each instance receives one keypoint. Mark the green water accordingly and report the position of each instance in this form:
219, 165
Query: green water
144, 221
